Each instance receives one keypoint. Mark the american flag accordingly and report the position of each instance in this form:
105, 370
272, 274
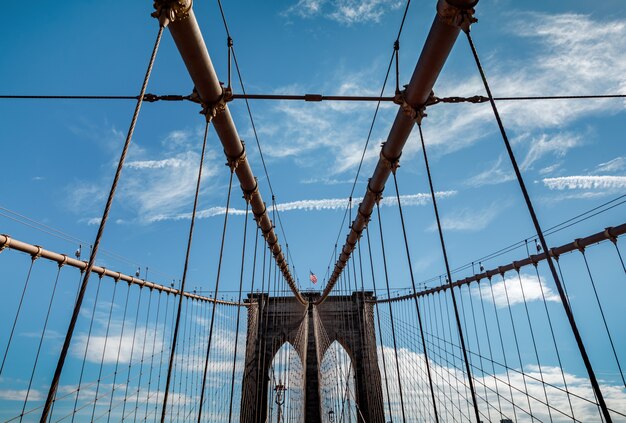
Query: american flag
312, 277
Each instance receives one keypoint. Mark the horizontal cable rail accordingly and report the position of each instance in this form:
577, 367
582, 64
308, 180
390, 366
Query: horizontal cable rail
610, 233
312, 98
35, 251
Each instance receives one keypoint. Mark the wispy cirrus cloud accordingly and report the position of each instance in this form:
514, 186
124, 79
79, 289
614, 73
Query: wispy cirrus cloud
557, 145
469, 220
614, 165
346, 12
151, 185
586, 182
570, 54
322, 204
172, 162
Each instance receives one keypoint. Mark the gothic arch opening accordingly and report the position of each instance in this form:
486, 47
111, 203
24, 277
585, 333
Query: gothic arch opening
285, 400
337, 386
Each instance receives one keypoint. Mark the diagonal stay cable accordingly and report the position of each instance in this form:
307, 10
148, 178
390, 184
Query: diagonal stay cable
92, 259
540, 234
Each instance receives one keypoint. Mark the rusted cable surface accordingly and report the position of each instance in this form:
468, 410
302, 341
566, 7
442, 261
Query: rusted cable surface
610, 234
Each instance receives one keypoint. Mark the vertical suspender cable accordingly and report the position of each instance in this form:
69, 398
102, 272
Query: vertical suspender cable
393, 329
92, 258
382, 347
43, 333
82, 367
419, 314
154, 338
243, 257
185, 268
542, 239
132, 351
217, 284
106, 340
17, 313
447, 264
119, 350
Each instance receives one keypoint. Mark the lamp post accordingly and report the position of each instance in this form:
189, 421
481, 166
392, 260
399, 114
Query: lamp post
331, 416
279, 400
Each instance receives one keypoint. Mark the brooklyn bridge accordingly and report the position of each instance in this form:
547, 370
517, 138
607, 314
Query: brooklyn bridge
531, 332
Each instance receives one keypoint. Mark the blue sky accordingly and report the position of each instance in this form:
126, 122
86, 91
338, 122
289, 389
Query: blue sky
59, 155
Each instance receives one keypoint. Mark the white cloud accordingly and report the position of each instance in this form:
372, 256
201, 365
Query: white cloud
92, 221
313, 205
326, 181
604, 182
20, 394
467, 219
617, 164
496, 174
344, 11
447, 377
558, 145
85, 196
173, 162
152, 188
549, 169
570, 54
531, 290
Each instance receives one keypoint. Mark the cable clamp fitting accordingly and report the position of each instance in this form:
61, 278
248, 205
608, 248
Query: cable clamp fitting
36, 255
248, 194
415, 113
391, 164
167, 11
450, 14
378, 195
609, 235
150, 98
258, 216
578, 246
5, 244
234, 162
501, 271
366, 217
210, 110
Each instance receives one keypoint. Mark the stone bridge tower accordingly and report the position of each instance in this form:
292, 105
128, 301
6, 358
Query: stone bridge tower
311, 329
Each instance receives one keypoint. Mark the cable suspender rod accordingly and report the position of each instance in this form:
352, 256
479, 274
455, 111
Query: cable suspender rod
183, 26
441, 38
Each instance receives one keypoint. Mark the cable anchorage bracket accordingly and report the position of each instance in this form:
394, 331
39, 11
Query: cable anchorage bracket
378, 195
167, 11
248, 194
391, 164
462, 17
234, 161
6, 244
210, 110
415, 113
